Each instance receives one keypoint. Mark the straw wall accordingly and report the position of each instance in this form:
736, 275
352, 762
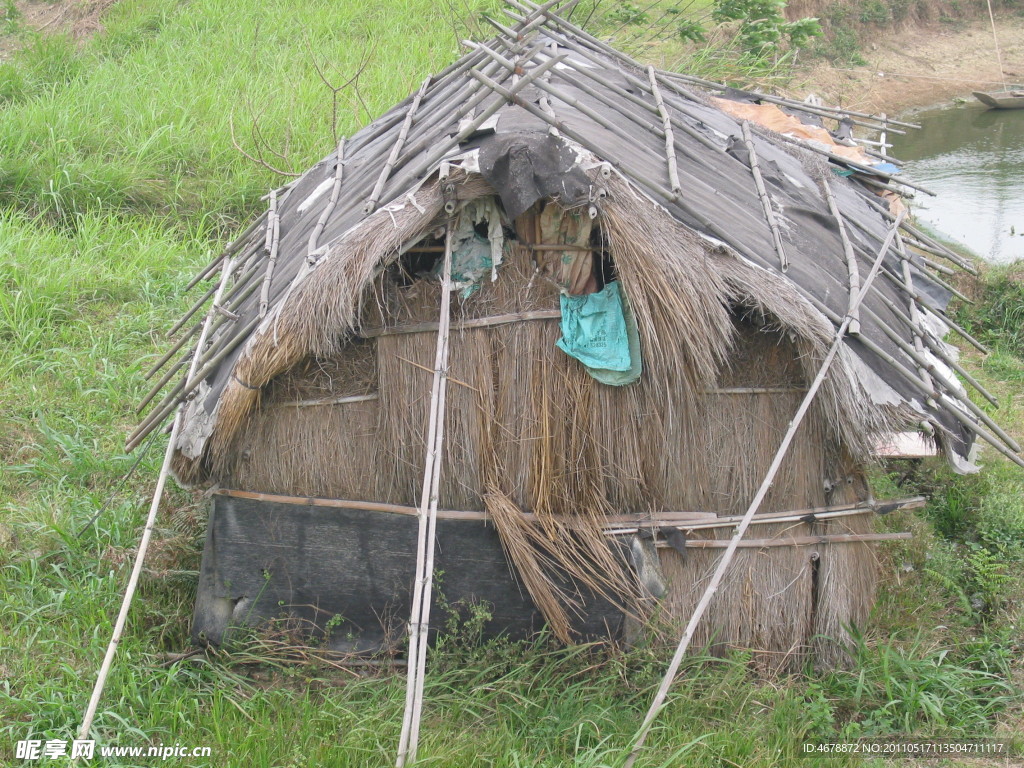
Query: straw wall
528, 430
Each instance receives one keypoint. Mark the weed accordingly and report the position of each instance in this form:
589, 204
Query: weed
628, 13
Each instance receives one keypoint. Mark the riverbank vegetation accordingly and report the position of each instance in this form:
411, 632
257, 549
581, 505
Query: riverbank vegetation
122, 168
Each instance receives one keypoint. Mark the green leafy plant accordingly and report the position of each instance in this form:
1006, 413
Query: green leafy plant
691, 30
628, 13
763, 27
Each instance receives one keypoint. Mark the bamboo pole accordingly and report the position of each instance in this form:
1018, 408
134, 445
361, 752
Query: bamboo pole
935, 345
995, 40
766, 202
632, 79
419, 622
389, 164
666, 127
851, 257
741, 528
938, 248
794, 541
339, 174
273, 241
147, 533
836, 113
915, 317
793, 516
229, 250
870, 170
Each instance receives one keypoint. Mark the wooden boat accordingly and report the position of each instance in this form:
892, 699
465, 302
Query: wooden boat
1001, 99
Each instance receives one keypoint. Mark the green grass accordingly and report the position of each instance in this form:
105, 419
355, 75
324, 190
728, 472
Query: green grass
118, 179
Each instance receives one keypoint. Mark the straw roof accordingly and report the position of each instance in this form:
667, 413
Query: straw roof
544, 110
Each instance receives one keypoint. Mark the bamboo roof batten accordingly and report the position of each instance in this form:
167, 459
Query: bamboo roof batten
851, 257
666, 129
271, 247
915, 317
766, 204
371, 204
313, 244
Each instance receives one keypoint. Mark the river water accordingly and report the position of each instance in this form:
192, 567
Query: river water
973, 159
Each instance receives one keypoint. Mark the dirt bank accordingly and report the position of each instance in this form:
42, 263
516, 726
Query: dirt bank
919, 67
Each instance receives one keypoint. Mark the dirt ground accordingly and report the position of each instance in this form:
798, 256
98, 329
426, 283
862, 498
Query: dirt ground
78, 18
920, 68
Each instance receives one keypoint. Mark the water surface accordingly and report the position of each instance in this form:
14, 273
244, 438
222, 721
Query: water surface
974, 159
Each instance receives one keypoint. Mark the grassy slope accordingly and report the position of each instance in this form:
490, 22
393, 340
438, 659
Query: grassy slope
117, 180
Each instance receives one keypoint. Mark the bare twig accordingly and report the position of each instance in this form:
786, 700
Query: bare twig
258, 158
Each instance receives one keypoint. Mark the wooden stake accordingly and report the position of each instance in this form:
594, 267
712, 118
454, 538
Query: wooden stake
419, 623
147, 533
727, 556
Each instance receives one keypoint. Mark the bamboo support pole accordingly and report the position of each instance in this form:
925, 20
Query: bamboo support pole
429, 123
147, 533
193, 309
876, 184
389, 164
330, 401
172, 351
966, 402
935, 345
238, 299
766, 202
420, 619
851, 257
332, 201
229, 250
941, 314
168, 375
741, 528
666, 127
572, 101
666, 77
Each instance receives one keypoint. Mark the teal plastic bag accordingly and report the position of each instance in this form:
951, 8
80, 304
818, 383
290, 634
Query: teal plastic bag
599, 331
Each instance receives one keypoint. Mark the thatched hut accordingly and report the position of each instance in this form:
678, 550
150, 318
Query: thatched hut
646, 280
